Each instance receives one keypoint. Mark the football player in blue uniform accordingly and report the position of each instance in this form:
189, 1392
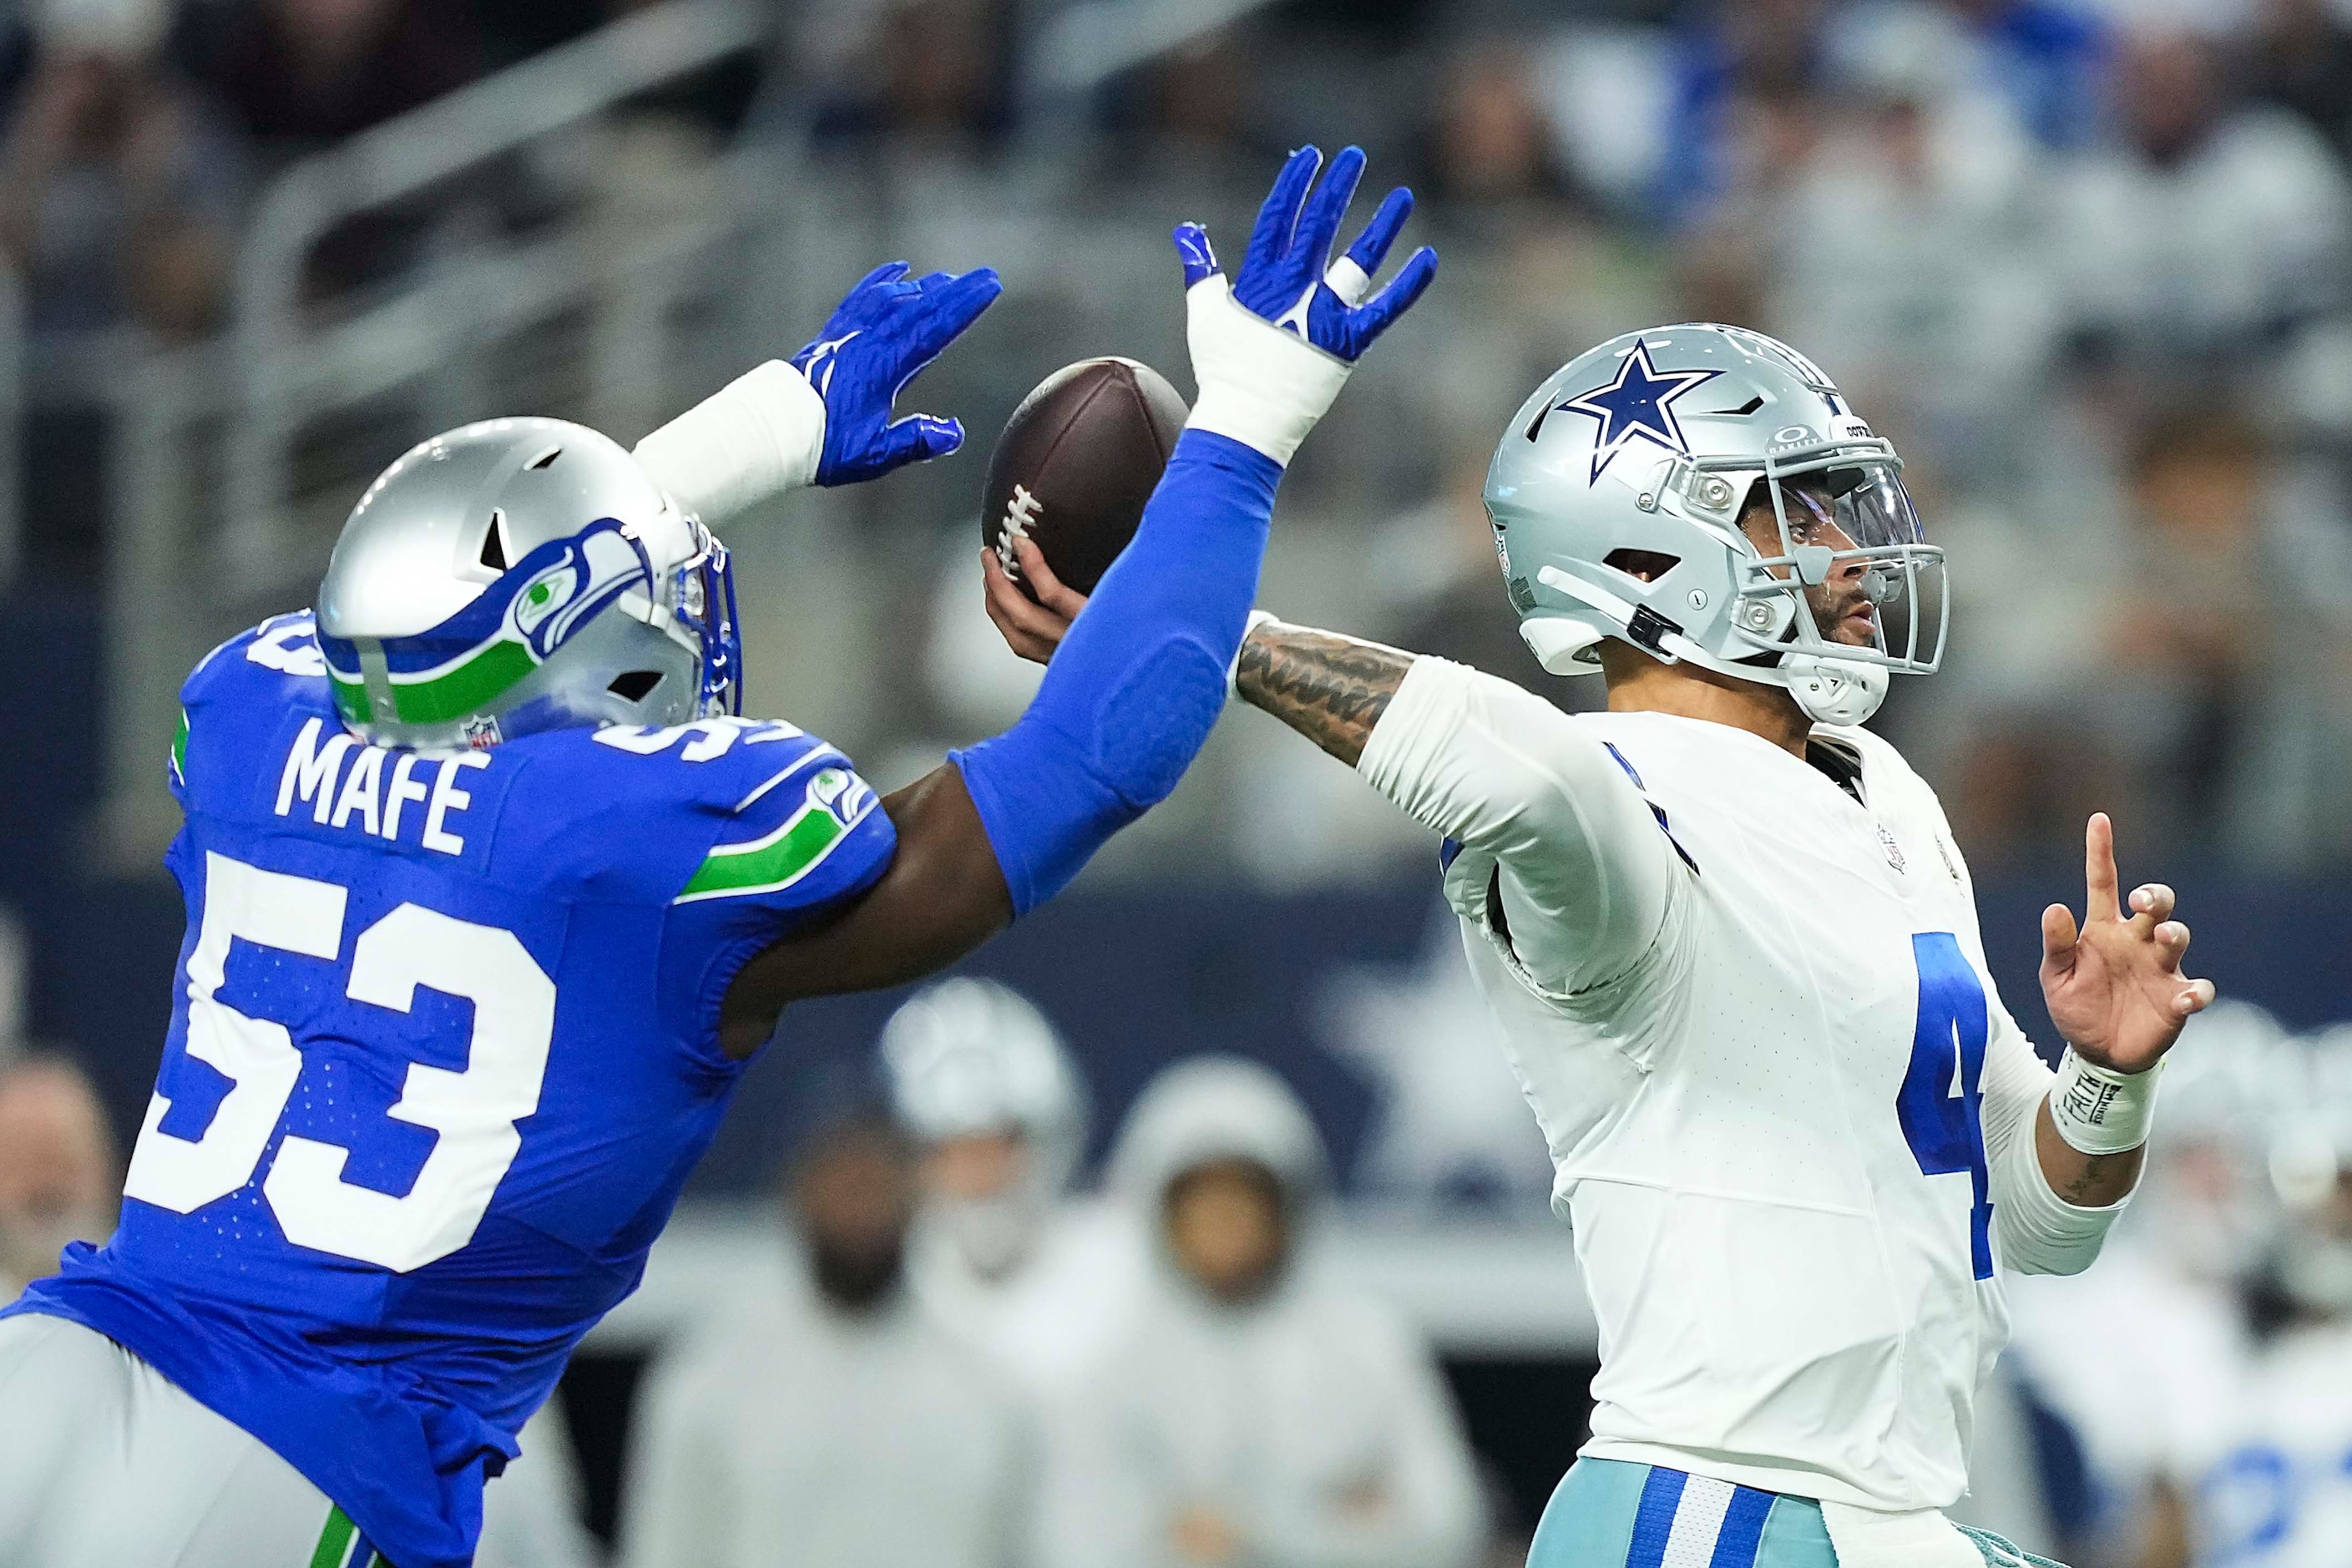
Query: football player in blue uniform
491, 894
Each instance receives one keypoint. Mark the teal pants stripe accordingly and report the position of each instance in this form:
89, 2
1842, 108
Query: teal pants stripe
1592, 1519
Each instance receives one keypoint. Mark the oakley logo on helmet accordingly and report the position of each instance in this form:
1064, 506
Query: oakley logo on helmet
1638, 404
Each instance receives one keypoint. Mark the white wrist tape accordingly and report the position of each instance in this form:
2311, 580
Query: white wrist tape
2099, 1111
754, 438
1259, 386
1233, 670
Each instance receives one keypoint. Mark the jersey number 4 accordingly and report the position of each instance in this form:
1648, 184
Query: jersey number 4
473, 1112
1941, 1103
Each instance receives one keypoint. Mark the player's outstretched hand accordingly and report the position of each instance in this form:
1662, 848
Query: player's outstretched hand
879, 339
2114, 986
1266, 389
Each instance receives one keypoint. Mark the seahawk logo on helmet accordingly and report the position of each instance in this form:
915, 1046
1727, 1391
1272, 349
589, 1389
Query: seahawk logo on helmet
519, 575
1616, 497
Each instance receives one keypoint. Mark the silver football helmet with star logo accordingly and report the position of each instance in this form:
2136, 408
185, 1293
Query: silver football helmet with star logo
1617, 496
524, 574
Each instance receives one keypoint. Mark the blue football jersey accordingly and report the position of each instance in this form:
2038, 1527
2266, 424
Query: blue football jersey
443, 1052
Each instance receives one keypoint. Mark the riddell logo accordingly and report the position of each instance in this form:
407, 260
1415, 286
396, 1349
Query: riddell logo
1021, 515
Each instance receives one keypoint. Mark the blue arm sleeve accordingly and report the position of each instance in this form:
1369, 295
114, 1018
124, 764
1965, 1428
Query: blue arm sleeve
1137, 685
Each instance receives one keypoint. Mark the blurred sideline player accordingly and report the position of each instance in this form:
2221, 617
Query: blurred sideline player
836, 1423
2151, 1393
491, 895
1734, 954
981, 1079
2281, 1494
1254, 1411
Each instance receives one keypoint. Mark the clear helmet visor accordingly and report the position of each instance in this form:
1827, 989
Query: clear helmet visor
1844, 570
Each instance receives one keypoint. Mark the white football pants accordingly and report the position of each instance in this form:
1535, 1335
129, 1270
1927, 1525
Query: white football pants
104, 1464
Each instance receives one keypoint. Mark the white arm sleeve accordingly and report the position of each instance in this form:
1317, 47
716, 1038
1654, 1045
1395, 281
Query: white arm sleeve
754, 438
1587, 874
2035, 1231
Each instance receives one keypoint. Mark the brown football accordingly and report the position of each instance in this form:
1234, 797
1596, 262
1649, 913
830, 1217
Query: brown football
1076, 463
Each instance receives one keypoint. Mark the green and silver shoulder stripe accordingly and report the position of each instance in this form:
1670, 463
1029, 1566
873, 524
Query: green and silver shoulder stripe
179, 749
778, 860
463, 687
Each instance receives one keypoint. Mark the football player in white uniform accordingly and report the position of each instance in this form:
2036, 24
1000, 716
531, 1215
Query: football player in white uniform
1734, 954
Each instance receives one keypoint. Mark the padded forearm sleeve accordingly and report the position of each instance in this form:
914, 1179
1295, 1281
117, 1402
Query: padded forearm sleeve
1137, 685
2035, 1231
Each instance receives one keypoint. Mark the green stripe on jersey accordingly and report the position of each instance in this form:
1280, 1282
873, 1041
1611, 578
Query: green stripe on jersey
765, 864
335, 1541
179, 749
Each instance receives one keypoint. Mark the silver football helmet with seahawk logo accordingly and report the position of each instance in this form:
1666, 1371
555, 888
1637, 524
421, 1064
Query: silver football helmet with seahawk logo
1617, 496
524, 574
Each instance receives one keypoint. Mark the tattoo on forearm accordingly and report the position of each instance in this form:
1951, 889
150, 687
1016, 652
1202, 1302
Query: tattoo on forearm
1330, 688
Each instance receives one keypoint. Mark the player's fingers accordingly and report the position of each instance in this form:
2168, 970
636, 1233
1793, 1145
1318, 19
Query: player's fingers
2099, 869
952, 304
1192, 249
918, 438
2195, 997
888, 272
2058, 933
1371, 246
1318, 219
2152, 902
1014, 613
1279, 215
1413, 280
1052, 592
1024, 644
2171, 940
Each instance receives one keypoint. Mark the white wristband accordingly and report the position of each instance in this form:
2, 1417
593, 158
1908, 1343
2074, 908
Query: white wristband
754, 438
1259, 386
2099, 1111
1233, 670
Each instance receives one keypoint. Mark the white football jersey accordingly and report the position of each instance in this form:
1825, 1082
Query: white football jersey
1771, 1126
2282, 1496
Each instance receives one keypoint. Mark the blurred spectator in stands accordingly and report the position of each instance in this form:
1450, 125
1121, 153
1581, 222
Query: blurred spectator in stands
980, 1080
2198, 622
1741, 62
301, 75
1897, 255
2299, 56
1256, 1413
1000, 1253
118, 192
2044, 58
2211, 236
60, 1174
844, 1426
933, 74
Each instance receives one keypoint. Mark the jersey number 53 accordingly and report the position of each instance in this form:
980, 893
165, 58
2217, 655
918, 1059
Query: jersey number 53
474, 1111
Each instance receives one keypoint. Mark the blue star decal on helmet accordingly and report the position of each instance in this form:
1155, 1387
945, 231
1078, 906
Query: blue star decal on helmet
1639, 403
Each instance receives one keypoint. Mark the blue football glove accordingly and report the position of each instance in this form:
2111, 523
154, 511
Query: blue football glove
877, 339
1285, 278
1267, 389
